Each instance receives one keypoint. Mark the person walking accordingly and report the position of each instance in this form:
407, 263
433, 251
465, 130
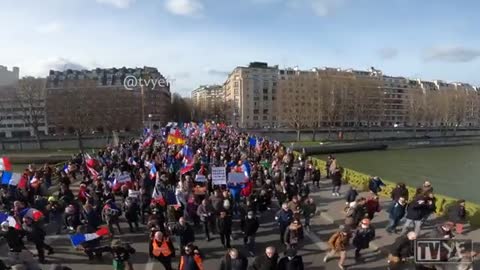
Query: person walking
399, 191
316, 176
375, 185
184, 233
402, 249
416, 211
132, 213
111, 214
121, 253
284, 217
191, 259
309, 208
458, 215
233, 260
339, 243
161, 248
396, 212
267, 261
206, 213
336, 176
224, 227
373, 206
294, 234
291, 261
36, 235
250, 231
17, 252
363, 236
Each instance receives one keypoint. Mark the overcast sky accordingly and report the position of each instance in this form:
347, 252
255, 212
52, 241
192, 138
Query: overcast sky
199, 41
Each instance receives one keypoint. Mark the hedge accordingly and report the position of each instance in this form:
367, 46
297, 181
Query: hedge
360, 181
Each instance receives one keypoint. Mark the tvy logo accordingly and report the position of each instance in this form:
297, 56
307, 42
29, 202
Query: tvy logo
441, 250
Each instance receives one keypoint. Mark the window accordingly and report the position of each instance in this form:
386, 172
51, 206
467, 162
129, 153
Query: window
255, 111
265, 90
265, 117
255, 118
265, 111
265, 97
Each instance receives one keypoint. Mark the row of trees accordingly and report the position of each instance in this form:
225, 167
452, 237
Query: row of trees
362, 103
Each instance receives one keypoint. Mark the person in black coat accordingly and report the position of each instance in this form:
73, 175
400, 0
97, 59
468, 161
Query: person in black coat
399, 191
458, 215
224, 226
416, 211
233, 261
402, 248
249, 231
36, 235
336, 177
132, 212
184, 233
291, 261
267, 261
351, 195
316, 177
363, 236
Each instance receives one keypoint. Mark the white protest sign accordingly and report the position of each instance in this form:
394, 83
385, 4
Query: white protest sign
133, 193
236, 178
219, 176
123, 178
200, 178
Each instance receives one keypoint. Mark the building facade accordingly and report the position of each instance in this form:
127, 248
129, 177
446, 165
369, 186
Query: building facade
16, 118
8, 78
209, 101
263, 96
250, 95
145, 102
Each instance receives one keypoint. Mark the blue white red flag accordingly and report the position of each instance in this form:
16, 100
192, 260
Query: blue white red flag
80, 238
11, 221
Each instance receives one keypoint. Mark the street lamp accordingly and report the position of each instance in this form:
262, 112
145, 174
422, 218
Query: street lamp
150, 120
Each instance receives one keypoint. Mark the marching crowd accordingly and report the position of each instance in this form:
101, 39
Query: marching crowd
165, 181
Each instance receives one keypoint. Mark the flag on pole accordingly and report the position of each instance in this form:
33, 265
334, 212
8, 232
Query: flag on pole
31, 213
157, 197
80, 238
175, 139
9, 178
5, 164
93, 173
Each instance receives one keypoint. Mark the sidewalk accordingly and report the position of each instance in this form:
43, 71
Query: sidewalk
331, 212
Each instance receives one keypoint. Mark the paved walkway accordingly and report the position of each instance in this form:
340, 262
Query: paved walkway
331, 215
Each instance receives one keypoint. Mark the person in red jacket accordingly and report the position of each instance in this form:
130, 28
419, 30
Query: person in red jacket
373, 206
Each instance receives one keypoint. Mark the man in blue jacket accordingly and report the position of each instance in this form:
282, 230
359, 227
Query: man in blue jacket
396, 212
284, 217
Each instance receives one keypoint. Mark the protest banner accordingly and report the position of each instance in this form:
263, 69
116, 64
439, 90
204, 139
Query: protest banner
219, 176
238, 178
200, 178
133, 193
123, 178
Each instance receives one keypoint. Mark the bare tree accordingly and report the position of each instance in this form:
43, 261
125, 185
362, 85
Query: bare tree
415, 108
30, 99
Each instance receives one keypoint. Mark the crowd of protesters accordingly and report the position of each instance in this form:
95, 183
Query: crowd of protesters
164, 182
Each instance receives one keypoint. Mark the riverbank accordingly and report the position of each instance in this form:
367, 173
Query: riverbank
360, 180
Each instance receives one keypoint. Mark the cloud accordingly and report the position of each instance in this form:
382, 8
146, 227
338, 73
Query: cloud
182, 75
49, 28
216, 72
320, 8
41, 68
117, 3
451, 54
184, 7
388, 53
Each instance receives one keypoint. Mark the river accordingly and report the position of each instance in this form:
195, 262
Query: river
453, 171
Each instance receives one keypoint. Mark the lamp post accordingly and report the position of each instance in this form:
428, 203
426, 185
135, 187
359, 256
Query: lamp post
150, 120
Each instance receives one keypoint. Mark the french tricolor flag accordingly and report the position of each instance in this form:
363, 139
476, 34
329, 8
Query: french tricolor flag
5, 164
9, 178
80, 238
32, 213
11, 221
153, 172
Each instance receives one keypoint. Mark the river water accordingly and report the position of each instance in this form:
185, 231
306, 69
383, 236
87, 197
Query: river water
453, 171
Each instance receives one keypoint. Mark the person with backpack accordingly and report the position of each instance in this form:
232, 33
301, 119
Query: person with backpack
284, 217
192, 259
121, 255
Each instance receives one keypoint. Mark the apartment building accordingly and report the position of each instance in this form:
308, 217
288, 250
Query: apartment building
250, 95
15, 117
209, 100
134, 105
262, 96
